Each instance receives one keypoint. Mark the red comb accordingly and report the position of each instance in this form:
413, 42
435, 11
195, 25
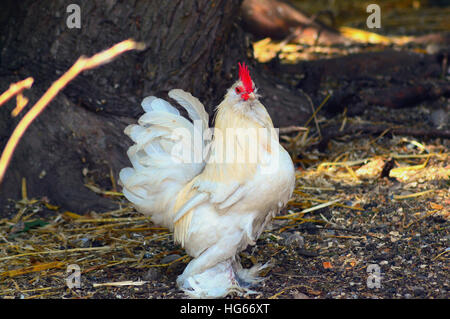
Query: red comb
244, 76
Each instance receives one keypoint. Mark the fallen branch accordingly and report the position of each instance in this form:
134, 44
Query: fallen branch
401, 96
280, 20
353, 130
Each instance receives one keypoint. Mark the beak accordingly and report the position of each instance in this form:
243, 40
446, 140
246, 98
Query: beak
251, 96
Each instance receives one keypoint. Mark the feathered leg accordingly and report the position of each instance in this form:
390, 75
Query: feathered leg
209, 258
211, 274
214, 282
205, 278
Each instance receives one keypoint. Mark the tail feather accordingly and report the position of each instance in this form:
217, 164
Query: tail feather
193, 106
144, 135
152, 103
157, 174
165, 119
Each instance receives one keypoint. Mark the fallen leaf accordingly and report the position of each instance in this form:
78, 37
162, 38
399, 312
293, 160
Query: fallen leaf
72, 215
327, 265
436, 206
314, 292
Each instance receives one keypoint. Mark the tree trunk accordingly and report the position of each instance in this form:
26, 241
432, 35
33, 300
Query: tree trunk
79, 137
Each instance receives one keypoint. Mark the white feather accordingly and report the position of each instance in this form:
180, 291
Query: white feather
151, 103
190, 204
193, 106
234, 197
164, 119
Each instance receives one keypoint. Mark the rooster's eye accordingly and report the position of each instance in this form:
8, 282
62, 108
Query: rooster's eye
238, 90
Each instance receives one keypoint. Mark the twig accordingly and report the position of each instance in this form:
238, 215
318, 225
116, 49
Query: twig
318, 109
167, 264
30, 269
120, 284
30, 290
311, 209
441, 254
314, 111
16, 88
413, 195
111, 220
344, 164
318, 188
59, 251
21, 102
292, 128
287, 288
400, 156
353, 231
423, 217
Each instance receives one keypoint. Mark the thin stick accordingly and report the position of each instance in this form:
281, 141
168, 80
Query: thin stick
30, 269
111, 220
318, 188
21, 102
311, 209
16, 88
30, 290
423, 217
414, 195
348, 163
292, 128
120, 284
59, 251
167, 264
318, 109
336, 204
286, 289
441, 254
314, 113
400, 156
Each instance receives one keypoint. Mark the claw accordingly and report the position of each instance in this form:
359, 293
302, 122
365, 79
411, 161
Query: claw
242, 283
250, 276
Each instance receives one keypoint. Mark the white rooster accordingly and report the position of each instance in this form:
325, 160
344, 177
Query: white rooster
218, 194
